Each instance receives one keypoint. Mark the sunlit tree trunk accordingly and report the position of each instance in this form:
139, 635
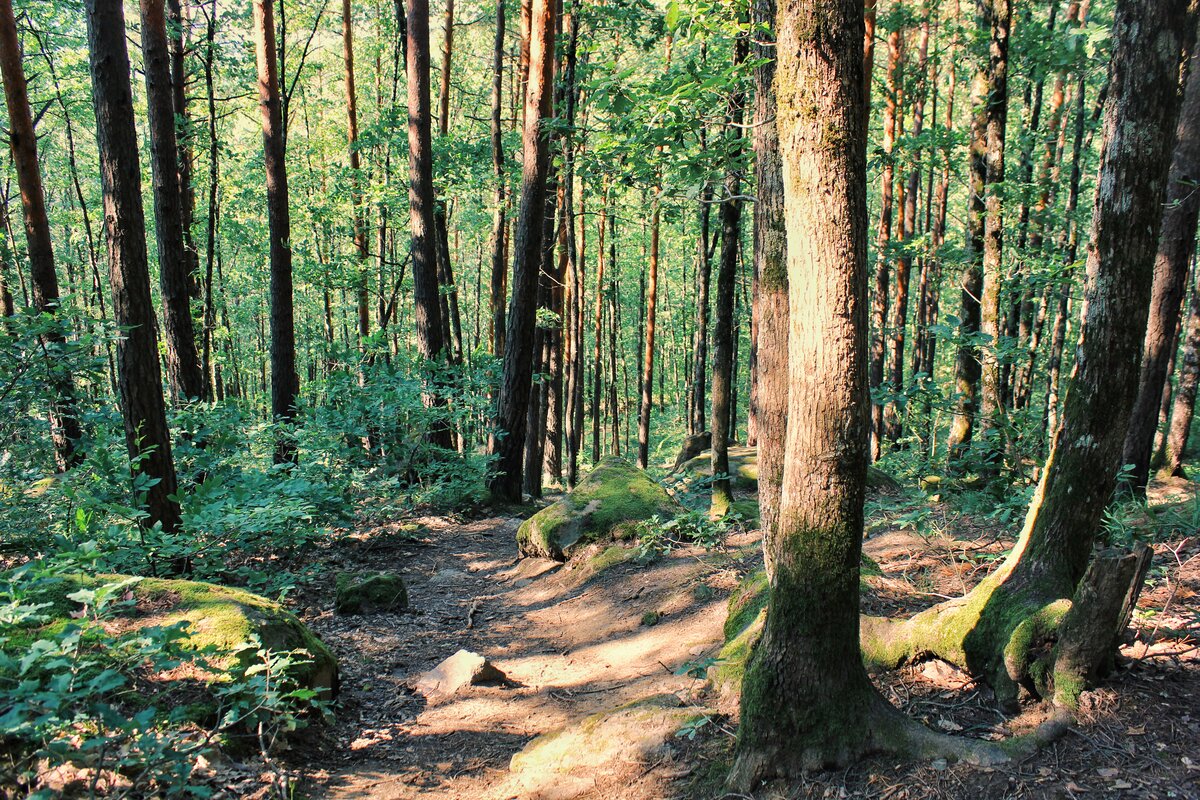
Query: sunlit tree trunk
499, 283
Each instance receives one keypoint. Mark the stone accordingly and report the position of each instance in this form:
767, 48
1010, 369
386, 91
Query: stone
370, 593
220, 617
456, 673
692, 446
607, 504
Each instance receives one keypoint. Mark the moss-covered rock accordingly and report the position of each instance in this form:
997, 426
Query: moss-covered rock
370, 592
220, 617
608, 503
743, 467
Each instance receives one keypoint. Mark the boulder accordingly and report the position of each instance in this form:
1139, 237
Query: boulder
220, 617
607, 504
370, 593
743, 467
456, 673
692, 446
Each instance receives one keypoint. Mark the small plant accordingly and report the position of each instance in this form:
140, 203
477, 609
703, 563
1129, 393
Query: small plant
658, 537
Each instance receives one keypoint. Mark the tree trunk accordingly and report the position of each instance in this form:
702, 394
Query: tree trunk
285, 383
723, 335
997, 17
447, 55
807, 702
499, 283
879, 297
770, 265
1184, 405
147, 437
647, 399
358, 212
65, 429
698, 420
174, 264
597, 365
516, 380
1175, 250
422, 205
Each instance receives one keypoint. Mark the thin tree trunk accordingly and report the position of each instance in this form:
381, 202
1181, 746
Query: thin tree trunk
1184, 405
65, 430
285, 383
723, 408
176, 22
499, 283
174, 264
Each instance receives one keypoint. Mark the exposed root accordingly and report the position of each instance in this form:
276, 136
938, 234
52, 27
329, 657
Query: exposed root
884, 731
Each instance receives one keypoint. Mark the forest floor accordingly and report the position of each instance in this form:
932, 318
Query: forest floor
573, 642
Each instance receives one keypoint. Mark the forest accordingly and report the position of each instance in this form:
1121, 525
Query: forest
630, 399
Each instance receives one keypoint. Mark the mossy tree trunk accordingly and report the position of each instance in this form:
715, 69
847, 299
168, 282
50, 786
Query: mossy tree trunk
806, 699
995, 629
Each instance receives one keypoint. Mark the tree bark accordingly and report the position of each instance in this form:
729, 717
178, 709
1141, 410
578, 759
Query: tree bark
770, 265
516, 380
65, 429
1175, 250
174, 264
647, 399
1184, 405
447, 55
723, 408
147, 437
285, 383
499, 283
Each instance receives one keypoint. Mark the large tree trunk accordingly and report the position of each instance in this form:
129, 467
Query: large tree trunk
1175, 251
174, 264
65, 429
724, 346
770, 265
806, 699
517, 378
147, 437
285, 383
997, 631
426, 295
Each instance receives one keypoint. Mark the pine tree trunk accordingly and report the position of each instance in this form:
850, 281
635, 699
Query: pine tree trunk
447, 56
597, 365
1184, 405
174, 264
65, 429
517, 378
176, 23
147, 437
499, 283
647, 398
1175, 250
285, 383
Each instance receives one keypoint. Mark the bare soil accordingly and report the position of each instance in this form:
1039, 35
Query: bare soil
574, 642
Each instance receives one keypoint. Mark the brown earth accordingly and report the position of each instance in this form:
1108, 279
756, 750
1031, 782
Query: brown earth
574, 643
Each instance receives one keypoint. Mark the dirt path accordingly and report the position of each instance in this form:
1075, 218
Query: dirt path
572, 643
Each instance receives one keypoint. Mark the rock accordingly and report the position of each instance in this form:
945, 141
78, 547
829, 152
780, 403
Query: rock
692, 446
456, 673
604, 749
743, 468
880, 481
370, 593
606, 504
216, 616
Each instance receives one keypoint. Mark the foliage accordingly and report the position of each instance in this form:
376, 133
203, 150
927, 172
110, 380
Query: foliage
77, 696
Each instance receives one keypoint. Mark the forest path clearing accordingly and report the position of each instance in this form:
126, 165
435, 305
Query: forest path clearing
572, 642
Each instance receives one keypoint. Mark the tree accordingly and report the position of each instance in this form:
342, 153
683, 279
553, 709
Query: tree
285, 383
139, 380
1176, 247
65, 429
174, 262
426, 295
517, 379
998, 630
806, 699
499, 282
724, 343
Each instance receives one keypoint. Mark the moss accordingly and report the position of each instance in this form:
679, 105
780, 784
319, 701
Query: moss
651, 618
369, 592
743, 467
747, 600
726, 675
609, 502
747, 510
220, 617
